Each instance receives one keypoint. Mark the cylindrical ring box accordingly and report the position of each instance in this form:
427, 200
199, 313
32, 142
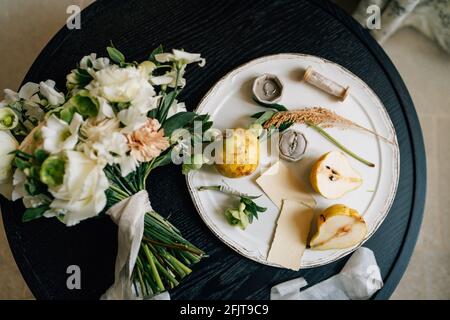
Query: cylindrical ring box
325, 84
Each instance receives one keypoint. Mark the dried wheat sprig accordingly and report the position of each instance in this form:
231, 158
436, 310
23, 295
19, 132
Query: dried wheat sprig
318, 116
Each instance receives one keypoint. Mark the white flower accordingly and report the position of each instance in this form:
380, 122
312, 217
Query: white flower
19, 179
127, 165
47, 89
10, 96
105, 110
58, 135
103, 141
123, 85
176, 108
95, 63
132, 118
170, 79
7, 145
82, 193
181, 56
28, 91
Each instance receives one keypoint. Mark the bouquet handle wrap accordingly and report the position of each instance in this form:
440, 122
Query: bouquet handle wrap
129, 215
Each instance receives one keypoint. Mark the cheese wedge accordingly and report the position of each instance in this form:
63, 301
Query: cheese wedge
291, 234
279, 182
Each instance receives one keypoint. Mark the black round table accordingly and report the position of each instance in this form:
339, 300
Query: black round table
228, 33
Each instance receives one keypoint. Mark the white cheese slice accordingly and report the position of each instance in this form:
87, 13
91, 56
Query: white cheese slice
280, 182
291, 234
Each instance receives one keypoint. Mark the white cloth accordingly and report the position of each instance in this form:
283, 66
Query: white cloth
129, 215
359, 279
431, 17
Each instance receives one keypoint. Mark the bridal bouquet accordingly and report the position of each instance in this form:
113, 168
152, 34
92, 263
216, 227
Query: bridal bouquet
88, 152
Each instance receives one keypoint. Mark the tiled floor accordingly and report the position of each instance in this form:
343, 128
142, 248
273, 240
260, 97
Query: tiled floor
424, 67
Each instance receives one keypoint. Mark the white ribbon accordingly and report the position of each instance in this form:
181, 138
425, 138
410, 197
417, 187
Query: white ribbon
359, 279
129, 215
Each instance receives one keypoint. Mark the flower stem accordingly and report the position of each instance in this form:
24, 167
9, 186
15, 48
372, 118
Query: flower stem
155, 273
339, 145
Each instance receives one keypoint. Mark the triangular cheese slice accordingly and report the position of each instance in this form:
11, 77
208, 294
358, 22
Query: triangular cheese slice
279, 183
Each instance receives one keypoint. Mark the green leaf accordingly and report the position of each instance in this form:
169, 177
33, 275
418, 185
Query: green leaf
21, 164
157, 50
34, 213
84, 104
115, 55
249, 216
251, 203
165, 105
32, 188
82, 77
275, 106
207, 125
285, 125
177, 121
264, 117
40, 155
66, 114
152, 113
163, 159
257, 115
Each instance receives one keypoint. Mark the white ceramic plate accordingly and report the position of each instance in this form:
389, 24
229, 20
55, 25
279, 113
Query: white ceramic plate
229, 103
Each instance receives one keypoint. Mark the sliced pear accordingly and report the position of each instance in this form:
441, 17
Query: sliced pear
332, 176
338, 227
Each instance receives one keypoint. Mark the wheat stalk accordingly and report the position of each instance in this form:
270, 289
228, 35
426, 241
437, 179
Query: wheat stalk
317, 116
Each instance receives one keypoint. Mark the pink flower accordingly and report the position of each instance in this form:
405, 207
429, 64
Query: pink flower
148, 141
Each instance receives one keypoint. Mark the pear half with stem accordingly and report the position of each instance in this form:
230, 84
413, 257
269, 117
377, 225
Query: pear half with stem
332, 175
338, 227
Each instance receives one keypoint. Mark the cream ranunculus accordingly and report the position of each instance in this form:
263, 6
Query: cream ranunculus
8, 144
82, 192
58, 135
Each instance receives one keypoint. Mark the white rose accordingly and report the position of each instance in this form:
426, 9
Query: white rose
7, 145
123, 85
82, 193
